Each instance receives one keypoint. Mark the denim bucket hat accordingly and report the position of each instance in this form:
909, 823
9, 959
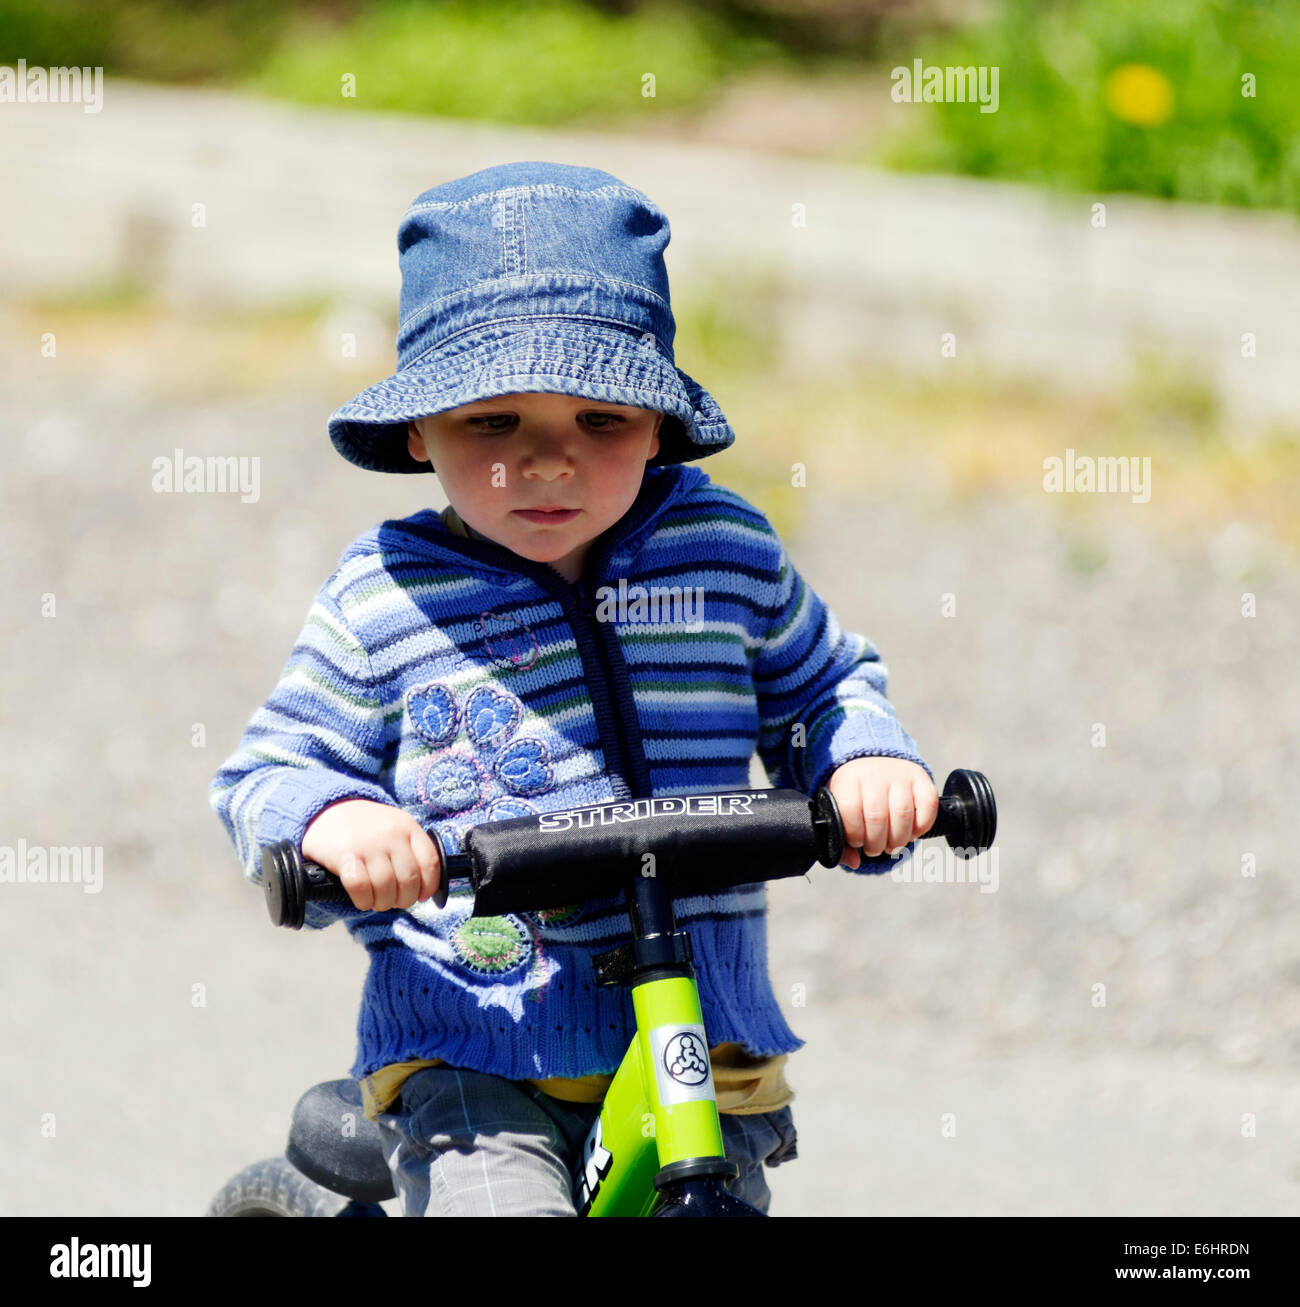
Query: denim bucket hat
531, 277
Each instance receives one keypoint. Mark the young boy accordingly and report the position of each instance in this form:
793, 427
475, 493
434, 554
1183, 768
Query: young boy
477, 665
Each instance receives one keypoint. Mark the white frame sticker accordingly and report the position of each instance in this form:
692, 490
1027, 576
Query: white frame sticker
682, 1046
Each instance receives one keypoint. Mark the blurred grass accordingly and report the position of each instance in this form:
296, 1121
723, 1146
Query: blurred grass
539, 62
1105, 95
149, 39
1095, 95
942, 444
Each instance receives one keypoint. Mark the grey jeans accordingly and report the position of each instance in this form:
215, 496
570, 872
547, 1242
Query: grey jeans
463, 1143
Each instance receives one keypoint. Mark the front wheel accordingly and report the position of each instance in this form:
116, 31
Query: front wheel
275, 1187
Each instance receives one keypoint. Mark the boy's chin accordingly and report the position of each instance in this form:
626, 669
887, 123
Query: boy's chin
538, 554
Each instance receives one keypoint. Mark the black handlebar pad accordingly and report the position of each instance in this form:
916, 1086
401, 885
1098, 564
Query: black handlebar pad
701, 843
704, 843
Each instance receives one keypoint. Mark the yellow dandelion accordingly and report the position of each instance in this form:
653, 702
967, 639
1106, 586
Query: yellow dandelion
1140, 94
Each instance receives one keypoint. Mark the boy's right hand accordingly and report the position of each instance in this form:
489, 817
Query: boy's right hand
383, 856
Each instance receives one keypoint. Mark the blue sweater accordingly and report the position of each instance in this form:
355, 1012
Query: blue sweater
467, 684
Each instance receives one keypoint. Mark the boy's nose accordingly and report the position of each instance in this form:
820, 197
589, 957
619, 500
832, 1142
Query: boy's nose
546, 454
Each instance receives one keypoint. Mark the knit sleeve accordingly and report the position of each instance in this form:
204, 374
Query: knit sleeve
821, 692
319, 738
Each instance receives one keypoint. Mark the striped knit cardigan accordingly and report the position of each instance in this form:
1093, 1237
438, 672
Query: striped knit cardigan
466, 684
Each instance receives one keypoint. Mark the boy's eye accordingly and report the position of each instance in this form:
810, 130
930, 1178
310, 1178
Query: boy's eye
502, 421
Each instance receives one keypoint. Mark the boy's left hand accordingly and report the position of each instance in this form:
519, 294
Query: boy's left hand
884, 803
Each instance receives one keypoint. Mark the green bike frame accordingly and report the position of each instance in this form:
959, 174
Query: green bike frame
661, 1106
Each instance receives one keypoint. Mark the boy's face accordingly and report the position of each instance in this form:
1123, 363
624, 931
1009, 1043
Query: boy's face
499, 457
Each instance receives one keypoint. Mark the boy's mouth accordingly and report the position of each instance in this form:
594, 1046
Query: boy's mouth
547, 516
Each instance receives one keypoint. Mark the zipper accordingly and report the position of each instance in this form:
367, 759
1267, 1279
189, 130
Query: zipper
618, 687
595, 657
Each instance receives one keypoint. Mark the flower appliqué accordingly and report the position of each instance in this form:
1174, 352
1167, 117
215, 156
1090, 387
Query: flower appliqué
489, 778
460, 779
507, 640
491, 946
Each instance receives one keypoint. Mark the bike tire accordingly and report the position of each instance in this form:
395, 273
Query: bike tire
275, 1187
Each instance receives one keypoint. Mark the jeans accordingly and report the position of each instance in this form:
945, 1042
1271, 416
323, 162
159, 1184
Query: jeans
463, 1143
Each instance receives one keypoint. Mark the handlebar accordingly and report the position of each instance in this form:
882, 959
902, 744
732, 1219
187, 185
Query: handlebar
706, 843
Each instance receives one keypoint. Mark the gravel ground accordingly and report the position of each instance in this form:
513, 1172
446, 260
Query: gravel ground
161, 1030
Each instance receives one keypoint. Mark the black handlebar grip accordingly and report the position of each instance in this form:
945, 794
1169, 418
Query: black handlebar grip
290, 882
968, 814
967, 818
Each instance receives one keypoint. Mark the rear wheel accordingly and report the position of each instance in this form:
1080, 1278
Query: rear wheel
275, 1187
